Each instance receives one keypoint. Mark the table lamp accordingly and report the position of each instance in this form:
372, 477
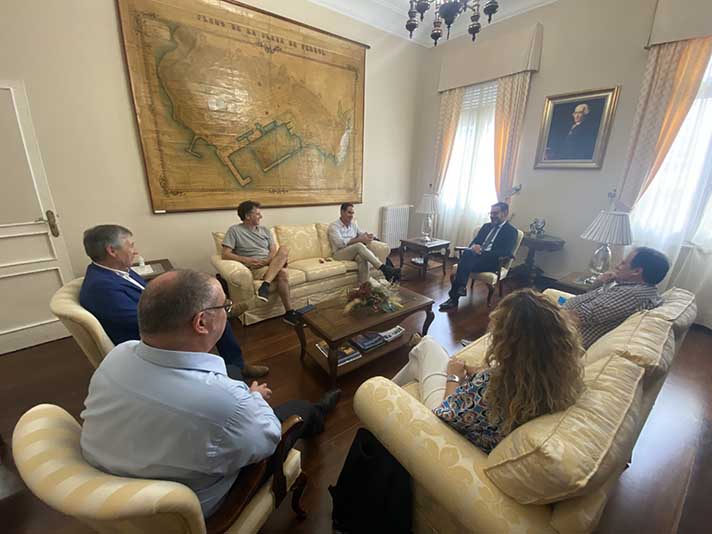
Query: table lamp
608, 228
427, 207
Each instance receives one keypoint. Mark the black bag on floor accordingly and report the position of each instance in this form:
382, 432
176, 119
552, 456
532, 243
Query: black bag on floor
373, 493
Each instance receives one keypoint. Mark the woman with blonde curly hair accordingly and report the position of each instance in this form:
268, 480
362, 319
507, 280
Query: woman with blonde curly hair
533, 367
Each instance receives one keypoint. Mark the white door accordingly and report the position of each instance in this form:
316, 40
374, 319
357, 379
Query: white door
33, 259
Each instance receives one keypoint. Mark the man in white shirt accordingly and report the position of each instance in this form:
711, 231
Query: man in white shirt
349, 243
164, 407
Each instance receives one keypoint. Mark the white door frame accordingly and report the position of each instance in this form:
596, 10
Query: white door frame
45, 327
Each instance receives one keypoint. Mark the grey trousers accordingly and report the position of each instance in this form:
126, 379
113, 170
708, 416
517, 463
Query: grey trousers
362, 255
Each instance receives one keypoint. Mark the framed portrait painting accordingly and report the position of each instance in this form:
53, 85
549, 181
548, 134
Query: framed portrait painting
575, 128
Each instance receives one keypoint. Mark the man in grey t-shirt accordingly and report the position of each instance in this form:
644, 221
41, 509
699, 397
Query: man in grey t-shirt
253, 246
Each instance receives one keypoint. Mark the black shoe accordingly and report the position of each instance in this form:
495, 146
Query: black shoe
461, 291
328, 401
291, 318
263, 292
449, 304
254, 371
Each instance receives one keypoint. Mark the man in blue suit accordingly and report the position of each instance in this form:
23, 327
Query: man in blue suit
111, 291
495, 240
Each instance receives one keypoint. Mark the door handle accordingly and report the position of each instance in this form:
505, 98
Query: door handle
51, 220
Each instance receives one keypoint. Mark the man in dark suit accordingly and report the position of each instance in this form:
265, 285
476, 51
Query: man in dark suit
495, 240
111, 291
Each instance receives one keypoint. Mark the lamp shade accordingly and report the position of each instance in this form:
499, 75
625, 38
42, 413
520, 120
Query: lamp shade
427, 204
610, 227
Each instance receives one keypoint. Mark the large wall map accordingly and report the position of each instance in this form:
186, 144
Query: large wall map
234, 103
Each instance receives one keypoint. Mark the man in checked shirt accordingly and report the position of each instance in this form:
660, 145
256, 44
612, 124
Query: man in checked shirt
619, 294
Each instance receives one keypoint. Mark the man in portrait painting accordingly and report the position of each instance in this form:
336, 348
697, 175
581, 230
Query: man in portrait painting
576, 140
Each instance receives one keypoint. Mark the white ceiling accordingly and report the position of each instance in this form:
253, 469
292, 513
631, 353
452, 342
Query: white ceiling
391, 15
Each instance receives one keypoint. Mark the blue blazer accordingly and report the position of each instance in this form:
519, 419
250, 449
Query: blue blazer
113, 301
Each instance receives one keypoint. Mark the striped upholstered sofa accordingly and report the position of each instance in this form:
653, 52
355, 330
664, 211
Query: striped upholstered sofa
311, 279
553, 474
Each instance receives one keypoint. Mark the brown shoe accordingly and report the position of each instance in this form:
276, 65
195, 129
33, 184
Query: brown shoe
254, 371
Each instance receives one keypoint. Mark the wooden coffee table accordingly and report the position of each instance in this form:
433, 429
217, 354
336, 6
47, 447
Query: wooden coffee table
329, 322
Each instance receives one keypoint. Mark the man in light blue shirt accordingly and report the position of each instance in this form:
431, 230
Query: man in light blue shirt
164, 407
348, 242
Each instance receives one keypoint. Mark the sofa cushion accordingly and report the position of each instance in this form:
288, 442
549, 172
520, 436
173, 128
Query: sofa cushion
350, 266
573, 452
322, 231
474, 353
315, 270
678, 307
294, 277
641, 339
302, 240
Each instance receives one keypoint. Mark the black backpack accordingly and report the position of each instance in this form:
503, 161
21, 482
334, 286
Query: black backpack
373, 494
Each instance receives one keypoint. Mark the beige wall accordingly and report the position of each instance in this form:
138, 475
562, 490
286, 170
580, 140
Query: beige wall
69, 55
587, 45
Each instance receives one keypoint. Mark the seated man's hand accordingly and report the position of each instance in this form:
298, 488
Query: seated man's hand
606, 278
477, 249
366, 238
262, 389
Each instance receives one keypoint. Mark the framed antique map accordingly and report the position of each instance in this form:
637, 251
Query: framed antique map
234, 103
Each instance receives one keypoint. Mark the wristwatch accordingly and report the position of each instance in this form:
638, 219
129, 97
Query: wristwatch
453, 378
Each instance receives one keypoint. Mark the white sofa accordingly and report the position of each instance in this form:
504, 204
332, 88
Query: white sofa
553, 474
311, 279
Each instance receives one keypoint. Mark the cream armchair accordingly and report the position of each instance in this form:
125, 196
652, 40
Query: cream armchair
553, 474
491, 280
313, 276
45, 445
84, 327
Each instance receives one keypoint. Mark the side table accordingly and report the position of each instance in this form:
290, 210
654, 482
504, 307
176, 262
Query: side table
534, 244
571, 283
158, 267
425, 248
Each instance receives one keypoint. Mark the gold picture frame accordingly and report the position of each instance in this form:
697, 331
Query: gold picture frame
575, 129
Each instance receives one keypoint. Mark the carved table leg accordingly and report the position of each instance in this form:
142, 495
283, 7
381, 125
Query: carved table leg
446, 253
429, 316
401, 252
424, 272
299, 327
333, 364
297, 491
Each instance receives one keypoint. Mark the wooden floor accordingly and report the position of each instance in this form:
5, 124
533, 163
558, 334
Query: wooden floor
665, 490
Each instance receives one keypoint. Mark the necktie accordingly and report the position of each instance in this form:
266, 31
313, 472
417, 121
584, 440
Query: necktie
489, 238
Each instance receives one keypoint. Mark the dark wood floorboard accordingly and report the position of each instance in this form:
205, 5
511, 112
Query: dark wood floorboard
665, 490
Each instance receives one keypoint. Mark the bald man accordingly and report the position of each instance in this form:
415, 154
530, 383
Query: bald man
164, 407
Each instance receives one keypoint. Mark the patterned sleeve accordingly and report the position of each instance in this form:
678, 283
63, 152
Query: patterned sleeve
605, 307
467, 398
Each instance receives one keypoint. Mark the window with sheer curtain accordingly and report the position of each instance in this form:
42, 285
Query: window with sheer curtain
674, 211
468, 189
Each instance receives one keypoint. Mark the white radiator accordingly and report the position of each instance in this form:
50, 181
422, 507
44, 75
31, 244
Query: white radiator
394, 224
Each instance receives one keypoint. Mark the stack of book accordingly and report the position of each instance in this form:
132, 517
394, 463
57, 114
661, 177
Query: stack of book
367, 341
346, 352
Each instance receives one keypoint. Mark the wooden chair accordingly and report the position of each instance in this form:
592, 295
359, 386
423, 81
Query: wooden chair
48, 456
491, 279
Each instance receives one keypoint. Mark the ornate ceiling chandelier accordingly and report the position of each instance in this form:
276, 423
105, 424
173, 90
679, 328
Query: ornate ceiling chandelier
447, 11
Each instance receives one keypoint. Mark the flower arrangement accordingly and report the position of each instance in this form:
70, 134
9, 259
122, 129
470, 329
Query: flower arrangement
374, 297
